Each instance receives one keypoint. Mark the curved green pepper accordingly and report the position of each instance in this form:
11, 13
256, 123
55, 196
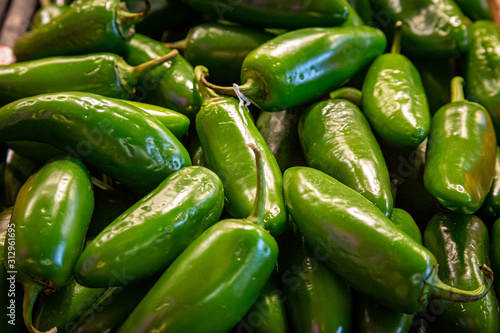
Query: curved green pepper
103, 74
172, 85
88, 26
460, 244
364, 247
436, 27
47, 12
54, 205
491, 205
302, 65
217, 278
394, 100
148, 236
284, 14
226, 154
336, 139
315, 297
461, 154
110, 135
220, 48
475, 9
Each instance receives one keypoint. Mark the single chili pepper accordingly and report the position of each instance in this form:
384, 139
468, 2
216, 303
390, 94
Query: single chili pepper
148, 236
88, 26
302, 65
436, 27
54, 205
491, 205
460, 244
482, 70
47, 12
276, 13
363, 8
172, 85
394, 99
267, 314
104, 74
220, 48
475, 9
226, 155
317, 300
280, 131
364, 247
336, 139
112, 136
17, 170
216, 279
461, 154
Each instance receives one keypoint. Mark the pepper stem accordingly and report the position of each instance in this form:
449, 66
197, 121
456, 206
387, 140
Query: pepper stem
350, 94
457, 89
396, 42
128, 19
251, 87
31, 291
257, 214
179, 45
444, 291
201, 72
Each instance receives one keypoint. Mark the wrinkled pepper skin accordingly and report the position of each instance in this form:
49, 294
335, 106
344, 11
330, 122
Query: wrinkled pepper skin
114, 137
147, 237
434, 27
475, 9
88, 26
284, 14
227, 155
461, 156
302, 65
317, 300
482, 71
491, 205
461, 243
171, 85
337, 139
227, 266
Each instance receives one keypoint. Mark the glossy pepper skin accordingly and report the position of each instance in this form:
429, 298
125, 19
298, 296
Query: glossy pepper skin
461, 243
148, 236
317, 299
491, 205
301, 65
363, 246
105, 74
88, 26
112, 136
226, 154
394, 99
475, 9
54, 205
483, 69
337, 139
172, 85
434, 27
284, 14
461, 154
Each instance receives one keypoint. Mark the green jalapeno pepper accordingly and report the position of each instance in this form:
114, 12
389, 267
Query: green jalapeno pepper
217, 278
491, 205
49, 221
436, 27
302, 65
148, 236
88, 26
460, 244
103, 74
461, 154
475, 9
394, 99
110, 135
364, 247
226, 155
315, 297
172, 85
284, 14
336, 139
47, 12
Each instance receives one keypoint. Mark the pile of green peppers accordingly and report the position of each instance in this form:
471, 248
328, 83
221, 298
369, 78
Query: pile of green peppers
265, 166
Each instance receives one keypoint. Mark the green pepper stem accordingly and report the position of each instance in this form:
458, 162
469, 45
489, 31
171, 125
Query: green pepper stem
128, 19
457, 89
351, 94
179, 45
443, 291
396, 42
257, 214
31, 291
142, 69
251, 87
201, 72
